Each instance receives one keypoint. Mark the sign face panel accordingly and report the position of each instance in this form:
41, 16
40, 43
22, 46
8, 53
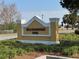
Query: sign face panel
32, 31
36, 29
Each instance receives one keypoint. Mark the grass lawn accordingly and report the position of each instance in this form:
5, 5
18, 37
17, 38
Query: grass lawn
70, 37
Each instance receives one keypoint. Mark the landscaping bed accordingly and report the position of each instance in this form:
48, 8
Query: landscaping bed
14, 49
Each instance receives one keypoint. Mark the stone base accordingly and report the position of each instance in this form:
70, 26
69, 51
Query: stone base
39, 42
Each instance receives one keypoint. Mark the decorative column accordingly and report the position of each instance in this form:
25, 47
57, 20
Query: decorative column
54, 29
19, 29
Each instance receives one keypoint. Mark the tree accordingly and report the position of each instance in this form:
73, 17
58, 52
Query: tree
70, 19
8, 14
66, 19
77, 25
71, 5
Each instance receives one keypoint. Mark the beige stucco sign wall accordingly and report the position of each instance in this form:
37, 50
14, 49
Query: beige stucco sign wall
36, 29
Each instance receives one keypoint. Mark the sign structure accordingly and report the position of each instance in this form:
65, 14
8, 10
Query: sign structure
36, 29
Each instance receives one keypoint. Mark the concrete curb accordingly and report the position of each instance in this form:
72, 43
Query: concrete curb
53, 57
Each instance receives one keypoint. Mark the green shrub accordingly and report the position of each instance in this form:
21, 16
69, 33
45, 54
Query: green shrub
11, 48
29, 49
71, 50
19, 51
77, 31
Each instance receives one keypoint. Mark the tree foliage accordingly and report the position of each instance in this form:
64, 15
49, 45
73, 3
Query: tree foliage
8, 15
70, 18
71, 5
8, 12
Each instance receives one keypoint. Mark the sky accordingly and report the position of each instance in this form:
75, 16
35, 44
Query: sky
30, 8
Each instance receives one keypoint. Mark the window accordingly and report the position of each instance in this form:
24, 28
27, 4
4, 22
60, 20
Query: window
35, 33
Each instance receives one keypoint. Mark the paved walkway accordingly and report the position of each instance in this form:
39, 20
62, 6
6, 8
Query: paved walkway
7, 36
53, 57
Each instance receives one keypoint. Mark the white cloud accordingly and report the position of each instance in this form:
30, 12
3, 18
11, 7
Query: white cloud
47, 14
